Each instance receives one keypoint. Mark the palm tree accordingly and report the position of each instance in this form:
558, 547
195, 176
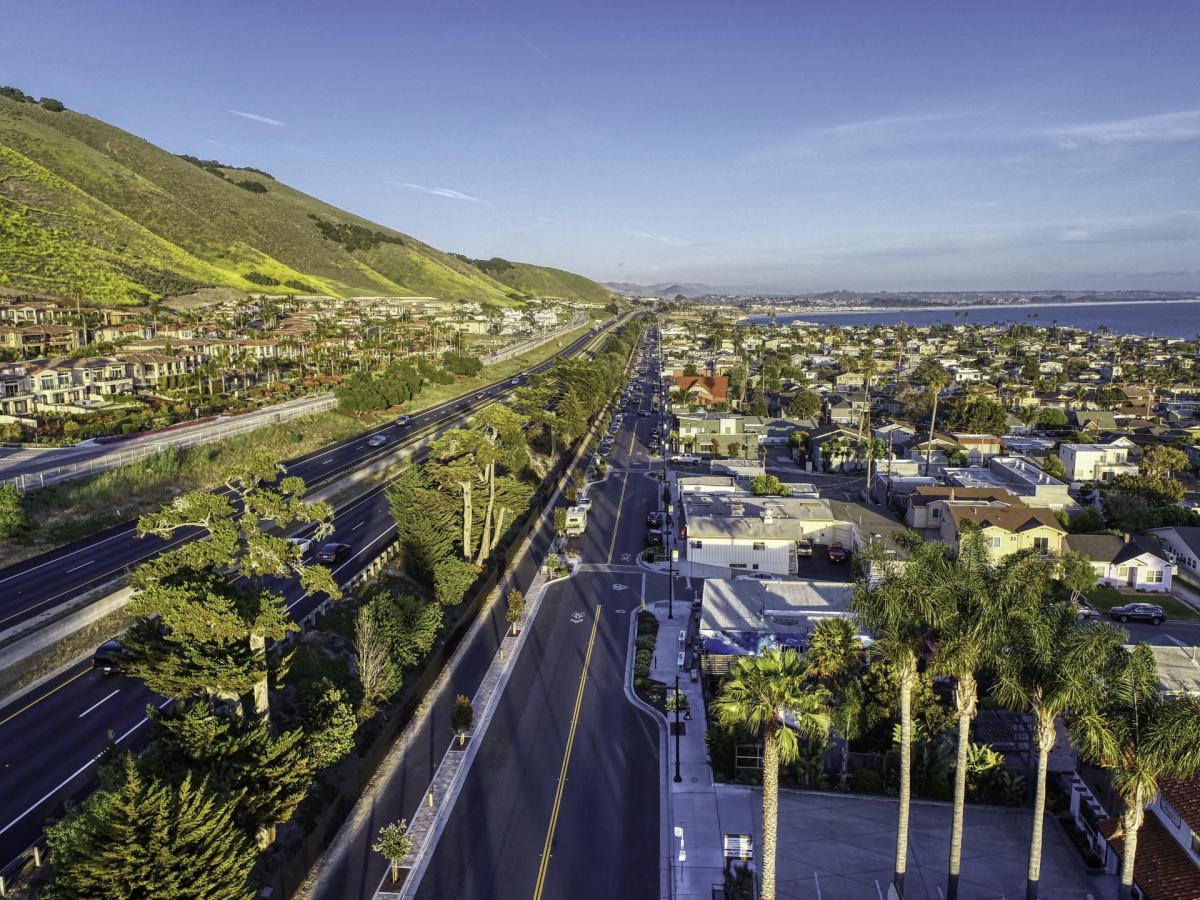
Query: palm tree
901, 608
834, 656
971, 634
932, 374
772, 694
1052, 663
1141, 735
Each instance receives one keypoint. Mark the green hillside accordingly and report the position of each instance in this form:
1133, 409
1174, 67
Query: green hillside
92, 211
542, 281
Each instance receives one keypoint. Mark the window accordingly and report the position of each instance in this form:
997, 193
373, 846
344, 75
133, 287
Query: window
760, 545
994, 542
1041, 544
696, 545
1154, 576
935, 513
1169, 811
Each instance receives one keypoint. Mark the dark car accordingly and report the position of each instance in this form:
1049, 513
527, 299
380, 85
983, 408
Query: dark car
1138, 612
654, 537
837, 553
110, 657
653, 519
403, 420
333, 552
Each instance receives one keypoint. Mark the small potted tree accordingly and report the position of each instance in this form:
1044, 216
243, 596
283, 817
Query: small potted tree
516, 607
394, 844
461, 717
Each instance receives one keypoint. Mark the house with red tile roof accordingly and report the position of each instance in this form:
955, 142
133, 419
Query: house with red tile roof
704, 389
1167, 866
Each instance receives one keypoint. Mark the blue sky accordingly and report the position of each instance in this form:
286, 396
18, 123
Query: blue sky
780, 145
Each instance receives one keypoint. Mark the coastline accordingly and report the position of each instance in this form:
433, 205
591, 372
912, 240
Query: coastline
796, 312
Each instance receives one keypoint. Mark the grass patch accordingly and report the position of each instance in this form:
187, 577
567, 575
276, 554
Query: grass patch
1105, 598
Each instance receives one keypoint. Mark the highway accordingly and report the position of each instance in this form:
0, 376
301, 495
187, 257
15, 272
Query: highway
33, 587
49, 738
602, 830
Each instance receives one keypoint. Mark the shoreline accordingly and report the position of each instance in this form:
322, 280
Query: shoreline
794, 312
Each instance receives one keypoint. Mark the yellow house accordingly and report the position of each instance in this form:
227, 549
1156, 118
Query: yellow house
1006, 529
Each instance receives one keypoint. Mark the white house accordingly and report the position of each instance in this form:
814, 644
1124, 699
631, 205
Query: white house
740, 531
1132, 561
1183, 542
1096, 462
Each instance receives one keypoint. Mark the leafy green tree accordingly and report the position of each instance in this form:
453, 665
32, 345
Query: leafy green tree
804, 405
452, 578
461, 717
769, 485
329, 723
689, 370
977, 414
1052, 417
1141, 735
1162, 461
1077, 574
760, 691
1053, 664
455, 462
1053, 466
394, 844
901, 609
426, 522
378, 676
13, 519
514, 610
148, 838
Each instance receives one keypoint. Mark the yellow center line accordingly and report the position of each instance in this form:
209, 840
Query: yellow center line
562, 774
43, 697
617, 521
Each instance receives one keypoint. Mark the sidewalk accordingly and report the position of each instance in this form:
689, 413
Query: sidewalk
705, 811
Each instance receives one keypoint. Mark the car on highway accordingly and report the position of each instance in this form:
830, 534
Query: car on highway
756, 576
333, 552
643, 413
403, 420
305, 544
515, 381
480, 396
1138, 612
685, 459
804, 547
110, 657
837, 552
377, 440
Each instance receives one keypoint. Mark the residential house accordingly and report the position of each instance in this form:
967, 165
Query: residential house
1097, 462
703, 390
1006, 529
70, 385
1134, 561
1183, 543
1167, 864
33, 341
741, 531
922, 510
846, 408
735, 435
1020, 476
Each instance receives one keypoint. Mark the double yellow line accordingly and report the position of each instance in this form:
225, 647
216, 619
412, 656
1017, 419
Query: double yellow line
562, 774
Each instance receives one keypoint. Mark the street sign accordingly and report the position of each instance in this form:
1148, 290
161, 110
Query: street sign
739, 846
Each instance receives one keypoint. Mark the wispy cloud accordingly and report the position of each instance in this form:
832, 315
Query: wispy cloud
1183, 125
662, 239
890, 123
255, 117
864, 134
437, 191
531, 45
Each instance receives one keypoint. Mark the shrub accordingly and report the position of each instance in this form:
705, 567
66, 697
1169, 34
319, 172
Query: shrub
299, 285
353, 237
12, 512
866, 781
260, 278
51, 104
254, 187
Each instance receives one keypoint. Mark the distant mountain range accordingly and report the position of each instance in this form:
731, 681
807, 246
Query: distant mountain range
662, 289
90, 211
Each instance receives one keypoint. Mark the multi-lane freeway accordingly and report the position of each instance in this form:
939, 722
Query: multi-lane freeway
50, 737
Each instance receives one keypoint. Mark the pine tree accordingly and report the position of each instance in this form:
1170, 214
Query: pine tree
145, 838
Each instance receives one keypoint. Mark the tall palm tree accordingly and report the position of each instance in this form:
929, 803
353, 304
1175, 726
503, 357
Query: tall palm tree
971, 634
1052, 664
834, 656
934, 376
772, 694
1142, 736
901, 608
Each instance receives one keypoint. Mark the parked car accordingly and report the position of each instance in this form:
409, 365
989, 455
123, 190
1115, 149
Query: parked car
305, 544
1138, 612
403, 420
653, 519
685, 459
837, 553
756, 576
804, 547
333, 552
643, 413
654, 537
584, 502
110, 657
377, 440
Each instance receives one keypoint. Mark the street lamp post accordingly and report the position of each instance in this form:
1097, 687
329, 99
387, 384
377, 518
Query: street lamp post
678, 777
670, 574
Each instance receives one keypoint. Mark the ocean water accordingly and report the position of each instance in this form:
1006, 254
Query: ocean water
1151, 318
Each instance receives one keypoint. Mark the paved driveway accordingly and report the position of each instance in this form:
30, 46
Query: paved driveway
838, 848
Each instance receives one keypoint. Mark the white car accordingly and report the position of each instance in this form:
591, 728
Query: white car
303, 543
584, 503
685, 459
377, 440
756, 576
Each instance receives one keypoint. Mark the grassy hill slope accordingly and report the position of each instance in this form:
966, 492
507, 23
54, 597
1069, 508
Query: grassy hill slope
89, 210
542, 281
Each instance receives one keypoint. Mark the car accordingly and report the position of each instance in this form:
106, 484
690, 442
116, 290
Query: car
110, 657
584, 503
480, 396
654, 537
305, 544
653, 519
804, 547
333, 552
377, 440
1138, 612
515, 381
643, 413
837, 553
685, 459
756, 576
403, 420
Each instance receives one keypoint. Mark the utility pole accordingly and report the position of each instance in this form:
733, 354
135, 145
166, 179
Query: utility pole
678, 776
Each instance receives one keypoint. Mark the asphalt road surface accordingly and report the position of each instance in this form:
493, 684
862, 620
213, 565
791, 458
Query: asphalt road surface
49, 738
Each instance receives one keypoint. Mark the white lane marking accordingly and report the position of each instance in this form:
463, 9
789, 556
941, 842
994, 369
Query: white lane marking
358, 526
97, 703
74, 775
58, 558
327, 462
81, 566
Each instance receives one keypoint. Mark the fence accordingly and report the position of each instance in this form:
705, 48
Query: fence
534, 342
182, 439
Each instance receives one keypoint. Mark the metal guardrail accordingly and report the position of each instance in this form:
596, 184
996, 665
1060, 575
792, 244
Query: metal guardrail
32, 481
